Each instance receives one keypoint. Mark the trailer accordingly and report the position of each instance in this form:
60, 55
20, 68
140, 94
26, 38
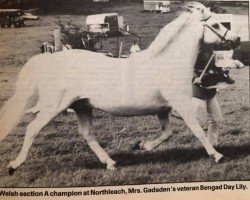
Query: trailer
11, 18
105, 23
161, 6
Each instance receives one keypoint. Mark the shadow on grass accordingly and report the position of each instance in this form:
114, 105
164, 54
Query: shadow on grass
138, 157
178, 155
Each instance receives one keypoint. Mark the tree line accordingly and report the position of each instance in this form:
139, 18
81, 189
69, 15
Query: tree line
60, 5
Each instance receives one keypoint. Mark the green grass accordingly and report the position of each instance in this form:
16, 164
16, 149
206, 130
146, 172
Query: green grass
59, 157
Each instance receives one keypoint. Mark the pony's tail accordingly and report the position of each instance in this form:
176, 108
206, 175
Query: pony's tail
16, 106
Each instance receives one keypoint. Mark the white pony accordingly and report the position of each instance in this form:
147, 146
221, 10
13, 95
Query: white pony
86, 80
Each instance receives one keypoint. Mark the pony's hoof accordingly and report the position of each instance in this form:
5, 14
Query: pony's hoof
12, 167
137, 145
111, 166
11, 171
218, 157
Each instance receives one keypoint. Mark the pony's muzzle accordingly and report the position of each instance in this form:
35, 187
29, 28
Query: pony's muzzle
237, 43
234, 44
229, 44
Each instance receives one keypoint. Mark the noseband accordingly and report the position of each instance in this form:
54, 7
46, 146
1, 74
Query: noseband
222, 37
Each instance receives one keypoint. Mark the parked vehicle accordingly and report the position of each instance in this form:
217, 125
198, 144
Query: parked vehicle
30, 16
11, 18
106, 23
159, 6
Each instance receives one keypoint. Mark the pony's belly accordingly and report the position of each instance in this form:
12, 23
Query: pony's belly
136, 111
149, 103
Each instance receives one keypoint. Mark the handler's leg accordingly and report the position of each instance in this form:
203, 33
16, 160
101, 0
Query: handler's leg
85, 121
166, 132
214, 118
200, 109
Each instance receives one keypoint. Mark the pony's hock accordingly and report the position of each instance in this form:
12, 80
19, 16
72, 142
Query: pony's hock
62, 78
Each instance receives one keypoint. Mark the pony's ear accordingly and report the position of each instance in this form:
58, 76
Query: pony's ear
187, 7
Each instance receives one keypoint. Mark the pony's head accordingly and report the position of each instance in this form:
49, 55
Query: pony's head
214, 32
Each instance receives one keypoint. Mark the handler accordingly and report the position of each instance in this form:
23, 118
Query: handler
134, 48
206, 105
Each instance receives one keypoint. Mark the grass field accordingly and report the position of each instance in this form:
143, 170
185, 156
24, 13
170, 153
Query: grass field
59, 157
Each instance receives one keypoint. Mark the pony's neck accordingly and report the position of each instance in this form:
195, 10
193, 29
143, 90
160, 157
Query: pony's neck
183, 51
164, 38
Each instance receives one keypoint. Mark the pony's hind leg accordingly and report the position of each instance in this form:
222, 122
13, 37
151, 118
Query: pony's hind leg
166, 132
47, 112
42, 119
84, 115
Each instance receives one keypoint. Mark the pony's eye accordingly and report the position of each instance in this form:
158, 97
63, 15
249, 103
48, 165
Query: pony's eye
216, 26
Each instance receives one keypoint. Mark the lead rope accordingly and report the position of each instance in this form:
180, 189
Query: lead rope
203, 72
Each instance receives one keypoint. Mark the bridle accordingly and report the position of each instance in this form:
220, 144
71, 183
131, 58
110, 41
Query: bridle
223, 40
222, 37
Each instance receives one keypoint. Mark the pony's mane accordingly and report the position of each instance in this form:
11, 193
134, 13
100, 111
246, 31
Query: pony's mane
166, 35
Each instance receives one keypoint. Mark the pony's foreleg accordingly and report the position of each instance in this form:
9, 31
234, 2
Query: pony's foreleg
166, 133
184, 108
200, 109
85, 121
